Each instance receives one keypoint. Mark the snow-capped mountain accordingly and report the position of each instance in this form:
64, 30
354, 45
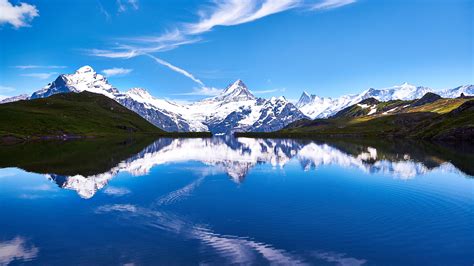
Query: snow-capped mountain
84, 79
235, 109
15, 98
467, 90
322, 107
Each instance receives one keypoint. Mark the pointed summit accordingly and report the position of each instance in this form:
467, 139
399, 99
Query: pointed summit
304, 99
237, 91
140, 92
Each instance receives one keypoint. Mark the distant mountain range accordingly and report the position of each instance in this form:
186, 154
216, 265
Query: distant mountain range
236, 109
314, 106
430, 117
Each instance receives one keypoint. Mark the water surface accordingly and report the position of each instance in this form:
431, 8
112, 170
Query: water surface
236, 201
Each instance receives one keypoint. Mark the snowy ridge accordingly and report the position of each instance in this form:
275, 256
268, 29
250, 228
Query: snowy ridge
322, 107
15, 98
235, 109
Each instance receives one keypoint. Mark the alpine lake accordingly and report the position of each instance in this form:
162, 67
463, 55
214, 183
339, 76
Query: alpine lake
220, 201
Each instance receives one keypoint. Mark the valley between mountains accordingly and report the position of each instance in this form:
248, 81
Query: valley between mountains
404, 110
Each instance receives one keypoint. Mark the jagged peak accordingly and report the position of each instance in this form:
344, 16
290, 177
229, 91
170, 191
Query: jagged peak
305, 98
235, 92
279, 98
406, 85
138, 91
85, 69
237, 85
239, 82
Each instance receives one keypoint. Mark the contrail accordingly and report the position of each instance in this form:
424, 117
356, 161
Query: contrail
176, 69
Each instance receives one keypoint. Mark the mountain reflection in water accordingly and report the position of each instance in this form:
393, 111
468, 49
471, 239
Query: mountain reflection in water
88, 167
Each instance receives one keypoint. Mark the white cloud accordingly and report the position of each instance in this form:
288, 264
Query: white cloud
104, 11
38, 66
267, 91
222, 13
113, 53
204, 91
121, 6
235, 12
40, 75
4, 89
116, 71
17, 15
124, 5
176, 69
133, 3
328, 4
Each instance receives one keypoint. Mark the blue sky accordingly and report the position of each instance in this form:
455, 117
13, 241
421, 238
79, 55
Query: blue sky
184, 49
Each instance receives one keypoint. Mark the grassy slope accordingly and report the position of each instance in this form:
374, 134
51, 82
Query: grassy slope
433, 123
73, 114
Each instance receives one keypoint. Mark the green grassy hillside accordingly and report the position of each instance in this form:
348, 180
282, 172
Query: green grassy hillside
432, 123
72, 115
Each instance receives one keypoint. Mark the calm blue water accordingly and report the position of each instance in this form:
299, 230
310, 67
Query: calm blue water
244, 201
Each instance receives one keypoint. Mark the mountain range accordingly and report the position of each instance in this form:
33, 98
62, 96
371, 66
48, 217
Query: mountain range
314, 106
235, 109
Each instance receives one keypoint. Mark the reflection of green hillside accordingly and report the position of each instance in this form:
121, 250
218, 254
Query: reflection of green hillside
429, 153
84, 157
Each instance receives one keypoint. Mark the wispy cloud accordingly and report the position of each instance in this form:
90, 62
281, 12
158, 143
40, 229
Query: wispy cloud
38, 66
123, 5
40, 75
6, 89
116, 71
203, 91
176, 69
235, 12
328, 4
17, 15
267, 91
222, 13
104, 11
133, 3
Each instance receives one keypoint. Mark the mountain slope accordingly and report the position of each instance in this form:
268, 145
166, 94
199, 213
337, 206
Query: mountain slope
70, 115
443, 119
319, 107
235, 109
